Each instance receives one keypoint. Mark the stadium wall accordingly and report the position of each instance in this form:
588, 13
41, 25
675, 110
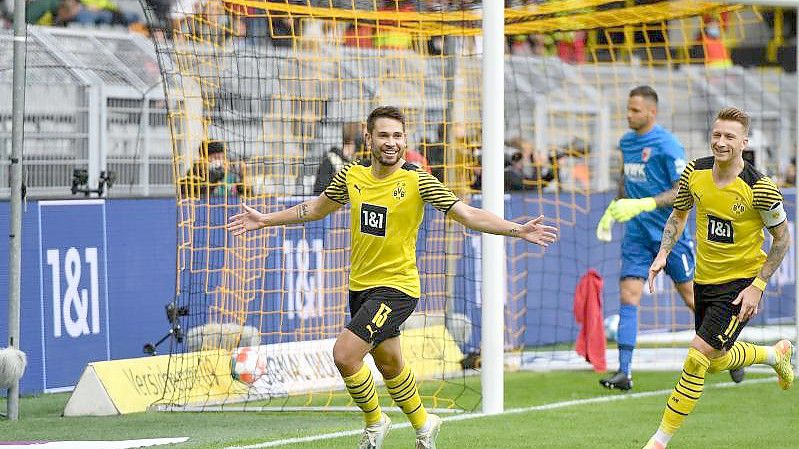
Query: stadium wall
98, 273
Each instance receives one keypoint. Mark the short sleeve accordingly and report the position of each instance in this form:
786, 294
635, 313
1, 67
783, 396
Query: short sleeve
337, 189
684, 200
675, 165
766, 194
435, 193
674, 159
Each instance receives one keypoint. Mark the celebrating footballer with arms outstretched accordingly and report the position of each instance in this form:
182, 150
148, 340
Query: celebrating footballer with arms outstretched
386, 197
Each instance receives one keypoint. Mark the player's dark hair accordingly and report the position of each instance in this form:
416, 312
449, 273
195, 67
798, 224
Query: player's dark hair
645, 92
392, 112
734, 114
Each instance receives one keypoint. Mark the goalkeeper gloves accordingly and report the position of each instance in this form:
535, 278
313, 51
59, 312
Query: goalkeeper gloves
605, 225
626, 208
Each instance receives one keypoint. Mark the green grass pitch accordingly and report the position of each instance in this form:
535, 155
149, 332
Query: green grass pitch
749, 415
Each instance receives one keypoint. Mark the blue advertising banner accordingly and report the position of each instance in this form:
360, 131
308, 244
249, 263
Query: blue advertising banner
74, 294
97, 274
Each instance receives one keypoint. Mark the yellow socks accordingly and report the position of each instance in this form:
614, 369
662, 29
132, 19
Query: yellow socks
687, 391
403, 390
361, 387
741, 354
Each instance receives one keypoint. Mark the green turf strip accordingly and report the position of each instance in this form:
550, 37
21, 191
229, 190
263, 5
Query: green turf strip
744, 416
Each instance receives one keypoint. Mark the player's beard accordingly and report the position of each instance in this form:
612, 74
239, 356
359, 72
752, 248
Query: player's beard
381, 158
636, 125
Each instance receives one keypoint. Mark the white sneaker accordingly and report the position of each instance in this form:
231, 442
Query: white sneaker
373, 436
427, 440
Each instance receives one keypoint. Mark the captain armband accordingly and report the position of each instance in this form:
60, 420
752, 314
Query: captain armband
774, 216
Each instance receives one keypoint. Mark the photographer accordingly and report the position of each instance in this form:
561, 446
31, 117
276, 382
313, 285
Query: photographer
214, 174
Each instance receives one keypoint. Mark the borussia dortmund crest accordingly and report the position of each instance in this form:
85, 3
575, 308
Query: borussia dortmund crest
399, 190
738, 208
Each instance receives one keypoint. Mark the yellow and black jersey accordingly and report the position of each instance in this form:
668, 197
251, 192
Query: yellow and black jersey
385, 215
729, 220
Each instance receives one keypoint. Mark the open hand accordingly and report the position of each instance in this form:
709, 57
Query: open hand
535, 232
248, 220
657, 266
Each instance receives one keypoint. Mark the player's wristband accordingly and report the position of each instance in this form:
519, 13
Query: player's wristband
759, 284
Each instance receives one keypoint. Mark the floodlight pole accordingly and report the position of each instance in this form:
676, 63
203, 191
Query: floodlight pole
15, 220
493, 246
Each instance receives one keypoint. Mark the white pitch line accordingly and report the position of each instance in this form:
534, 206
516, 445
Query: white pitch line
512, 411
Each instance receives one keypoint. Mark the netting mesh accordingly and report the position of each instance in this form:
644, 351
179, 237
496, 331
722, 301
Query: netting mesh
259, 92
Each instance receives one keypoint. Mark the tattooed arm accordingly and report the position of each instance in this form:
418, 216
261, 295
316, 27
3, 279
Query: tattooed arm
779, 247
671, 233
666, 198
250, 219
534, 231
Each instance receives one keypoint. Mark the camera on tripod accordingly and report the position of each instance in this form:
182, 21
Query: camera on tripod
174, 311
173, 314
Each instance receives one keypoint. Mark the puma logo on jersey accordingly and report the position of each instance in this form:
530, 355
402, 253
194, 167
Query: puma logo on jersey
722, 339
357, 188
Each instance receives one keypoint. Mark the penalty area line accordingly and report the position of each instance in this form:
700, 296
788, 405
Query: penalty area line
512, 411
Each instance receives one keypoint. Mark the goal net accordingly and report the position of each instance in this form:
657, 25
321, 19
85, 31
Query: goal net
262, 94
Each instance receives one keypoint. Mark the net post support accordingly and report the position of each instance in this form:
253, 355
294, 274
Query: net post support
493, 246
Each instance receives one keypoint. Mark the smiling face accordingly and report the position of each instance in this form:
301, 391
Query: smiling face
728, 140
387, 141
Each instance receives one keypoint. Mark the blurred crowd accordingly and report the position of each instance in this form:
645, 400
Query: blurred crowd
85, 13
215, 21
219, 20
526, 168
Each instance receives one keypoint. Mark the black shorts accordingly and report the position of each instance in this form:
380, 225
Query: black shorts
377, 313
716, 317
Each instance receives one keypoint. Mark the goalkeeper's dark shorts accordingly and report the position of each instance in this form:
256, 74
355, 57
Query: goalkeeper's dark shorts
377, 313
716, 318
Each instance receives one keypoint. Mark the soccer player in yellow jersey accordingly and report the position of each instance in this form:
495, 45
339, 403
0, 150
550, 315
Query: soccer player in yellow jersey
733, 204
387, 198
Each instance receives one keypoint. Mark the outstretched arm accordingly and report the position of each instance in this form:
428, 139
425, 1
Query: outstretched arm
481, 220
666, 198
250, 219
624, 209
671, 233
